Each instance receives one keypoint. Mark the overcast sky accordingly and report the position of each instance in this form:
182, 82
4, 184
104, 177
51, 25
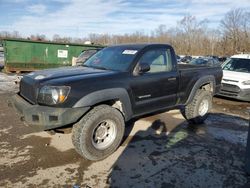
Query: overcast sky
78, 18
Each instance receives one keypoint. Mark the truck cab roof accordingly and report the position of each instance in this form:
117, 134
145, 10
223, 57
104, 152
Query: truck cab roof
140, 46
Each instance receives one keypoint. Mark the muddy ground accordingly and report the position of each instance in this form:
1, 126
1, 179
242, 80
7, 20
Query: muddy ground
158, 151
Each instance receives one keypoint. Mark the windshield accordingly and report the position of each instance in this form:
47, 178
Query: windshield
85, 55
112, 58
237, 65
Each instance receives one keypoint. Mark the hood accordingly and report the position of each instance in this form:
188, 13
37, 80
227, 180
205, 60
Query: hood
64, 72
235, 76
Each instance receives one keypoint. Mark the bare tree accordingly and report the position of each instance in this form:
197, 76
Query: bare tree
191, 33
190, 36
235, 29
8, 34
56, 38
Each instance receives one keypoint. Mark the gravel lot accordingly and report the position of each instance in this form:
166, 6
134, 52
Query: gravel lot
157, 151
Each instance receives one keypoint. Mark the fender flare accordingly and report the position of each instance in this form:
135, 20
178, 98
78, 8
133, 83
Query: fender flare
209, 79
106, 95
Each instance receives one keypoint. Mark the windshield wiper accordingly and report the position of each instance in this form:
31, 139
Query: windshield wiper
97, 67
85, 65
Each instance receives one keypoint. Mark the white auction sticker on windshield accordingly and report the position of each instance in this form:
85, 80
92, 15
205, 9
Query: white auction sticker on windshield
129, 52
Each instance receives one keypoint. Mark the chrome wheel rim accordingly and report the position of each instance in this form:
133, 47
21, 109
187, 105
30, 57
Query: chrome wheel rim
203, 107
104, 134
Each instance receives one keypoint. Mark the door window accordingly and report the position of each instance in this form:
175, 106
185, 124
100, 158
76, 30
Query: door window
159, 60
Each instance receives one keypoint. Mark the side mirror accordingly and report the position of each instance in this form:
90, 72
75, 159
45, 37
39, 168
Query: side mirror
143, 67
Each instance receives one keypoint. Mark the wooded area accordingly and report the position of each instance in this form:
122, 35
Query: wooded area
190, 36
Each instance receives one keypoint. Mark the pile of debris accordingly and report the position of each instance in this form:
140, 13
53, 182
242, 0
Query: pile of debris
9, 83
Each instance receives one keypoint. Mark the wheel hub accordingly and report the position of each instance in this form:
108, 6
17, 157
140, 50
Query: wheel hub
101, 132
104, 134
203, 108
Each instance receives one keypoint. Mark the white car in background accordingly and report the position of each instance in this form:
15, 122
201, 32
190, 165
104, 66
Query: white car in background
236, 77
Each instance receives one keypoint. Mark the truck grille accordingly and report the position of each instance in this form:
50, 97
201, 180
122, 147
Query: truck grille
27, 90
230, 90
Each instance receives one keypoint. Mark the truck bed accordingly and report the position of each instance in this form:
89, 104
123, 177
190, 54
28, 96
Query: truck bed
189, 74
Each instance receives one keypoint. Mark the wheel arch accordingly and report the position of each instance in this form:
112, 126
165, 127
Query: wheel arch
116, 97
206, 83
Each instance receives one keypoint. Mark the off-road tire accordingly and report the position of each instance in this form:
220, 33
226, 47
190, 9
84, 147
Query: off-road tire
82, 132
191, 111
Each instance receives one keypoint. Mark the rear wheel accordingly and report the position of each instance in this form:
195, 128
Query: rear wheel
99, 133
196, 112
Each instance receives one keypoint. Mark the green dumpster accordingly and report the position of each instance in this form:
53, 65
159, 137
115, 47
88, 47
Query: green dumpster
26, 55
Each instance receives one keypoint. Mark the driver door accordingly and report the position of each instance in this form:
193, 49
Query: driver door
157, 88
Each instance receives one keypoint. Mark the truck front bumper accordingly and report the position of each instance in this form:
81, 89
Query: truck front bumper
44, 117
235, 92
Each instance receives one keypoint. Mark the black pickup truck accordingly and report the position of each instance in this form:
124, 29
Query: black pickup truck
115, 85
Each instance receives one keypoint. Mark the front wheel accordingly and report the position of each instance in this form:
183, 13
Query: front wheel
99, 133
197, 110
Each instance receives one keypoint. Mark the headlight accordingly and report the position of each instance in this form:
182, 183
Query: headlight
51, 95
247, 82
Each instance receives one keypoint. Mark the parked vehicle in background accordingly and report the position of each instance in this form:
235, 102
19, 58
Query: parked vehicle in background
236, 77
196, 56
1, 57
186, 59
205, 61
222, 59
1, 60
85, 55
213, 56
178, 58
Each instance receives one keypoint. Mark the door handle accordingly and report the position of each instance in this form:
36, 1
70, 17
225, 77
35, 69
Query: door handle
171, 78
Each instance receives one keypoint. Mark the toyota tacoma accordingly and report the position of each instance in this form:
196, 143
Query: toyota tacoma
115, 85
